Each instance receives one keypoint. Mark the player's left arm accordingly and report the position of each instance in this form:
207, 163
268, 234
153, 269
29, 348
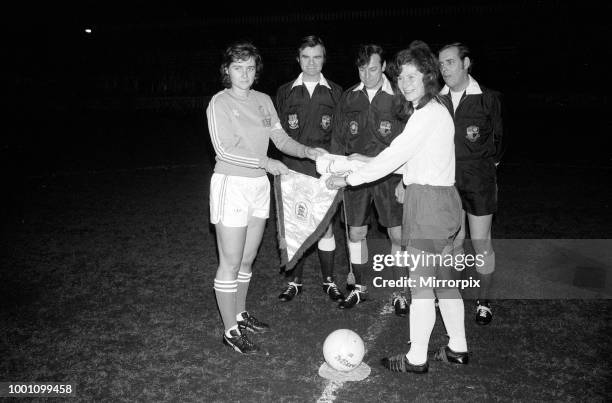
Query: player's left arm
285, 143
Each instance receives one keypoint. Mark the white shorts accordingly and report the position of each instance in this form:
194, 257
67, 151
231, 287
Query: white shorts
233, 199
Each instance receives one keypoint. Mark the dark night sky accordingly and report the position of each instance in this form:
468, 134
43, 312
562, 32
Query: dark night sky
554, 40
546, 57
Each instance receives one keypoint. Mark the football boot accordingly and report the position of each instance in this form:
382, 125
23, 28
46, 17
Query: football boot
484, 315
400, 305
399, 363
447, 355
291, 291
240, 342
356, 296
332, 290
252, 324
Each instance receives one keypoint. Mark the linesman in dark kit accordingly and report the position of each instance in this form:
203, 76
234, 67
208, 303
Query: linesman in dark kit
306, 107
477, 113
369, 116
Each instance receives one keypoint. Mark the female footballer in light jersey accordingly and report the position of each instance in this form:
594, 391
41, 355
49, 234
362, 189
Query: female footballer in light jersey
241, 121
425, 155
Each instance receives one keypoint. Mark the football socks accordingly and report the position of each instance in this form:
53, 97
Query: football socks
243, 287
326, 259
225, 292
453, 314
422, 320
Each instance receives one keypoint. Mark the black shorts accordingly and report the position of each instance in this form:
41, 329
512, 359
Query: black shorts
476, 182
301, 165
359, 200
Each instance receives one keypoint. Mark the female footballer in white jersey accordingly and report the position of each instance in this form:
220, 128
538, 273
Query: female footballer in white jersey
241, 121
424, 153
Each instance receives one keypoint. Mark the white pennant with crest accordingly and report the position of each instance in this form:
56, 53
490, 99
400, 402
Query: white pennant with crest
305, 207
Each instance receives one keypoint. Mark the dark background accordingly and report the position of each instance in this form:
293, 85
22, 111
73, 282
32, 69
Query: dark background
107, 265
133, 92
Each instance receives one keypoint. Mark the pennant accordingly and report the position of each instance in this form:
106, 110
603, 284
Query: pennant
304, 207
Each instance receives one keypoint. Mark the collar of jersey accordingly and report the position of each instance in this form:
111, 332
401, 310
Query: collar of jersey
386, 86
472, 89
300, 81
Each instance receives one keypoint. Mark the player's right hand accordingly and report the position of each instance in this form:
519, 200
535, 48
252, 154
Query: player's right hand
275, 167
336, 182
400, 190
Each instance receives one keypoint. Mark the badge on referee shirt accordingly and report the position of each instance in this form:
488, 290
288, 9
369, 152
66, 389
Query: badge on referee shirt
325, 122
473, 133
385, 128
354, 127
293, 121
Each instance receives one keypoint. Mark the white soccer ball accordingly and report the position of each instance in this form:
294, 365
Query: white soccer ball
343, 350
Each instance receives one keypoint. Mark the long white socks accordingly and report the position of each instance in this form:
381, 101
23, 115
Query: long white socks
422, 320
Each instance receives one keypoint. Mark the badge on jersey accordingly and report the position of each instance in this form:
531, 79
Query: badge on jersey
473, 133
293, 121
267, 119
325, 122
385, 128
354, 127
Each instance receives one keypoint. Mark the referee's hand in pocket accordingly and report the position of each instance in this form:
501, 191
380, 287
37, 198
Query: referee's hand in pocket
399, 192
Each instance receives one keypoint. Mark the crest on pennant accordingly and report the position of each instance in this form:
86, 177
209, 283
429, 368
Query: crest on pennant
354, 127
301, 210
473, 133
293, 121
385, 128
325, 122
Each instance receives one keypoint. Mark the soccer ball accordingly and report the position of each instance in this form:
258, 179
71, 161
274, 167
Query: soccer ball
343, 350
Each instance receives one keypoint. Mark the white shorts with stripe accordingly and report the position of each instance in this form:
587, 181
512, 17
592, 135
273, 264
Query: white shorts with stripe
233, 199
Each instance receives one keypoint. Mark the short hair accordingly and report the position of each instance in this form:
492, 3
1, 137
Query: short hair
463, 50
365, 52
420, 55
238, 51
311, 41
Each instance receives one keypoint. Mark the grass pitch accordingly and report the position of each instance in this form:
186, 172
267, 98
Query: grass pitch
107, 283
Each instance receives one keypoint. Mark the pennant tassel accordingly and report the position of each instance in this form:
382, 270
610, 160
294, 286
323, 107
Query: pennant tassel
350, 278
280, 219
